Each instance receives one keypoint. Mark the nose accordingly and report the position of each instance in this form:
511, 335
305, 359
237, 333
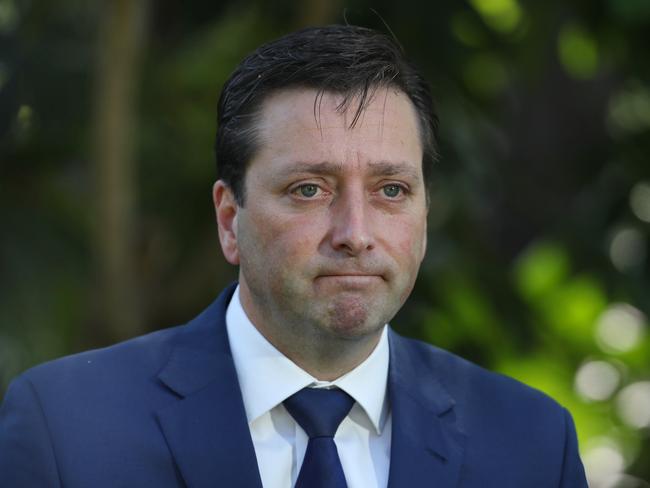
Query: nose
351, 227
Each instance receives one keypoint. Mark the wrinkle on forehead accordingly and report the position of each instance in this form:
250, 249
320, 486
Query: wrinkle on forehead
385, 133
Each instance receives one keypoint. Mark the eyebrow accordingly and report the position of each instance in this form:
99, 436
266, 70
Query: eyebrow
379, 168
388, 168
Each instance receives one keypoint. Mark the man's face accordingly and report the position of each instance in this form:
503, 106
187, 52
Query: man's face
333, 229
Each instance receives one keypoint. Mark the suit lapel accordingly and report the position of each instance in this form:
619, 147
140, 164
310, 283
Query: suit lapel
206, 427
427, 446
208, 434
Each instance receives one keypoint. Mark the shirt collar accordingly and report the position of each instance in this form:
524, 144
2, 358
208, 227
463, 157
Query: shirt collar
267, 377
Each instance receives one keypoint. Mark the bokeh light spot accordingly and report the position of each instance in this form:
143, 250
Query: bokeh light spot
541, 268
572, 308
603, 458
620, 328
24, 118
629, 109
485, 75
501, 15
578, 52
621, 480
8, 16
466, 30
597, 380
627, 249
640, 200
633, 404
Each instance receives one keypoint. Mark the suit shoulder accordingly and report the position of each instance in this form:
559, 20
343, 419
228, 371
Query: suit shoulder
142, 354
501, 415
471, 383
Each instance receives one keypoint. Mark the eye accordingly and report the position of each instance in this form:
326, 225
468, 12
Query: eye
308, 190
392, 191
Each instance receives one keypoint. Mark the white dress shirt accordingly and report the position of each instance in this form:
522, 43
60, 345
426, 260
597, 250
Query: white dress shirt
267, 378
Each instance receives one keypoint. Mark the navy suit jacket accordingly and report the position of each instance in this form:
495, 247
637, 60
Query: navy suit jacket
165, 410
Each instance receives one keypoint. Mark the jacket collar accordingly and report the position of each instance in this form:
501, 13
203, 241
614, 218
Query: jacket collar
426, 445
208, 434
206, 428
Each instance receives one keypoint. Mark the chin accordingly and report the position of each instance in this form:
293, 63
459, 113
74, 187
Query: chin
353, 320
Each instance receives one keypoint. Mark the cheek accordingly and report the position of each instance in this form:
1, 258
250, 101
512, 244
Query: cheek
406, 238
286, 237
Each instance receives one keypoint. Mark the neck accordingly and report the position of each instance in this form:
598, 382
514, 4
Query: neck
322, 354
326, 360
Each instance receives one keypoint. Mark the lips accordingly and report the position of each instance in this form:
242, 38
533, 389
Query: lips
353, 272
348, 275
354, 280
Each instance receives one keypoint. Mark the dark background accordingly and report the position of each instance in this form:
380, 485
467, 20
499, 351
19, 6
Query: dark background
537, 263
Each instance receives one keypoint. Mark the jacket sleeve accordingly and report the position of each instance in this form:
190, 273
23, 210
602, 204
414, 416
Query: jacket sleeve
27, 455
573, 473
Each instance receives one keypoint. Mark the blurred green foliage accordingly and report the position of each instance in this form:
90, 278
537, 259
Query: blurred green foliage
537, 263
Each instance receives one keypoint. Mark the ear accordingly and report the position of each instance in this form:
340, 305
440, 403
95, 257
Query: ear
226, 209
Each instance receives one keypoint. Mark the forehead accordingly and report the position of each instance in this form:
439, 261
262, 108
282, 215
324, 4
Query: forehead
303, 124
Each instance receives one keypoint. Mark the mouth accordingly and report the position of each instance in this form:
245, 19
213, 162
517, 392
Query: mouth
360, 275
351, 279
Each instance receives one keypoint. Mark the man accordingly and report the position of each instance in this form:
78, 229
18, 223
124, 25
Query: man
292, 377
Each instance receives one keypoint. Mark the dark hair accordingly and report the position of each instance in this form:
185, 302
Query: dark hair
343, 59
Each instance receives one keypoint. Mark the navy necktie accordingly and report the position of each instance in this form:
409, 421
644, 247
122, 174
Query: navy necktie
319, 412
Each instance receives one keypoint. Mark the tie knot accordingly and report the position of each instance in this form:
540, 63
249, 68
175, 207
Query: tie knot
319, 411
